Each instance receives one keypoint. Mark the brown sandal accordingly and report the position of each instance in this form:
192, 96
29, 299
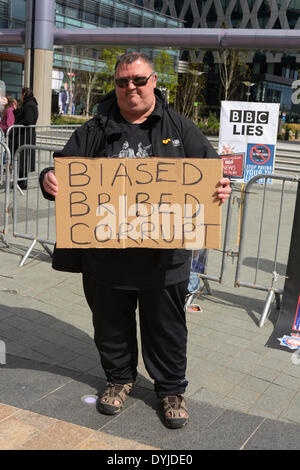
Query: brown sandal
175, 411
112, 400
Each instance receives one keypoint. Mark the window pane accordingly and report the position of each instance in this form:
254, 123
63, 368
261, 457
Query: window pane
18, 8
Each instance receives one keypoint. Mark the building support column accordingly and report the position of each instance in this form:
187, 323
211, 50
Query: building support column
42, 80
27, 68
39, 54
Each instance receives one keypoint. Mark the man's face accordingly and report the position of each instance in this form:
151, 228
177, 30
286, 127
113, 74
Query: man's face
134, 100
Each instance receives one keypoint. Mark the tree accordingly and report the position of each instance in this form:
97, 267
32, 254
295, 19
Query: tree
167, 78
109, 58
91, 79
190, 90
87, 80
101, 77
233, 70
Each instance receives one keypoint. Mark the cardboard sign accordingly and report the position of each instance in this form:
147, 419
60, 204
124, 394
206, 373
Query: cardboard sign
149, 203
250, 128
233, 165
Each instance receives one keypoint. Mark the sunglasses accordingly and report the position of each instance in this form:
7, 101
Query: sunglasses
137, 81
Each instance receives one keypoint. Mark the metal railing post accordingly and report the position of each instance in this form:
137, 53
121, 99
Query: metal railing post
226, 234
6, 202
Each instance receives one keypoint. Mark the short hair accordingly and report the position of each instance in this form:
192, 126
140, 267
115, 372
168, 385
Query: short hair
131, 57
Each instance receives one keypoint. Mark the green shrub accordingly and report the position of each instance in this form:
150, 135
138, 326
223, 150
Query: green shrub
209, 125
65, 119
212, 121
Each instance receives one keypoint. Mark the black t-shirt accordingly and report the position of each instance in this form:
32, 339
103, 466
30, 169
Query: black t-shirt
133, 268
134, 143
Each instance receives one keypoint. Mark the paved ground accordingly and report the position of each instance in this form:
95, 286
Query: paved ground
242, 394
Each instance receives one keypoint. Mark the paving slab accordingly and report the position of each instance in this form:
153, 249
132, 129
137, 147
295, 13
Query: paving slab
274, 435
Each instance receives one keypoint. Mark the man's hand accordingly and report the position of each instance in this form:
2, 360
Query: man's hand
224, 191
50, 183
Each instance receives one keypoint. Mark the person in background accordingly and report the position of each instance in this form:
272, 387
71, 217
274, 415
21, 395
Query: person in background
8, 117
26, 115
64, 99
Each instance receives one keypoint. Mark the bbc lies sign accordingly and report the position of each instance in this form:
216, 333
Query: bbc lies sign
250, 129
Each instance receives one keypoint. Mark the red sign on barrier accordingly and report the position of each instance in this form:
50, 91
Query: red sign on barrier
233, 165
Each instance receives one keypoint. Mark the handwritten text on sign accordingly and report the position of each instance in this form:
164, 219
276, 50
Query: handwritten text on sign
150, 203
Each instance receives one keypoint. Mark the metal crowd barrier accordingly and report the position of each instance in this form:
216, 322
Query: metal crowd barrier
17, 135
5, 170
2, 135
52, 135
33, 215
274, 219
261, 229
2, 156
225, 253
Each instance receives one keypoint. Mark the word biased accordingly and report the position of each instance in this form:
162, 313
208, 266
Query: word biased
152, 203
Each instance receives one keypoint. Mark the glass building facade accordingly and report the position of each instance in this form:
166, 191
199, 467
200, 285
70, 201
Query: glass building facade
273, 72
75, 14
102, 13
12, 16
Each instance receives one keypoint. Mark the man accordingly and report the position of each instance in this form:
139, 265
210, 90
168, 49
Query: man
115, 280
64, 99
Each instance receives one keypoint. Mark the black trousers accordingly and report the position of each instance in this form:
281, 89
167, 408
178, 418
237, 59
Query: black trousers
162, 327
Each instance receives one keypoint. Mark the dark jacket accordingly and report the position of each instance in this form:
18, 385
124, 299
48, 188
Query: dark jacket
94, 139
26, 115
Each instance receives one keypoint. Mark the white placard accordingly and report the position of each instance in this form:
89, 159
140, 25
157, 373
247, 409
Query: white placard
250, 128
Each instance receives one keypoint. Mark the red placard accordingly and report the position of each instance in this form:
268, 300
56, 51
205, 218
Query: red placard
233, 165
